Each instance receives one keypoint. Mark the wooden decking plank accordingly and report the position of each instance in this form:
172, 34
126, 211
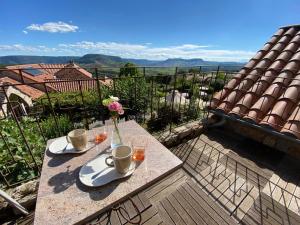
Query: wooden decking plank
146, 215
114, 218
130, 209
172, 212
168, 186
138, 202
205, 217
272, 211
229, 194
271, 218
286, 214
164, 214
210, 202
166, 182
264, 172
203, 206
181, 211
144, 200
249, 175
188, 208
155, 220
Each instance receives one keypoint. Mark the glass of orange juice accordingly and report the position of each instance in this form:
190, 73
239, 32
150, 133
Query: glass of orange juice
139, 144
100, 134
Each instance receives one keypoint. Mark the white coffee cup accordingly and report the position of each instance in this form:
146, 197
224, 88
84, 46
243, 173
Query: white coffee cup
121, 158
78, 138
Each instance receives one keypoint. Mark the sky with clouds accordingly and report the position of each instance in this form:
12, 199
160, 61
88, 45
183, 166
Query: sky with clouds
231, 30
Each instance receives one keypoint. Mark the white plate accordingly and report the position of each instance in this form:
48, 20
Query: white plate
61, 146
96, 173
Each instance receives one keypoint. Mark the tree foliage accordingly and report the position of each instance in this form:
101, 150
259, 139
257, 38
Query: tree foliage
129, 69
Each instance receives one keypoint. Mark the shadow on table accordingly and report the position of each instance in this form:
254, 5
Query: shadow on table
57, 160
64, 180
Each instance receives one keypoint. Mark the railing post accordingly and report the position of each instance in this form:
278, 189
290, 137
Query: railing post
82, 99
173, 95
7, 146
22, 77
51, 107
99, 93
20, 129
151, 98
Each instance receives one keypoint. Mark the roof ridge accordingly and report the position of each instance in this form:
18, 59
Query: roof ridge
289, 26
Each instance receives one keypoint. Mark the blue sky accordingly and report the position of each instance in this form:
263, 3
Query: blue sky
231, 30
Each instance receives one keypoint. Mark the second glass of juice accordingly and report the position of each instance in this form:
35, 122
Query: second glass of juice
139, 144
100, 135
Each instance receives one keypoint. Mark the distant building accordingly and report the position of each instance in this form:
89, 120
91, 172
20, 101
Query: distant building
34, 75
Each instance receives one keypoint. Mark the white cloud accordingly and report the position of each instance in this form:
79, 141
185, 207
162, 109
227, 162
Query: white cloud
23, 49
145, 51
25, 32
53, 27
126, 50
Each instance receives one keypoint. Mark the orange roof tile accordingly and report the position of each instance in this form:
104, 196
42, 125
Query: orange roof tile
267, 90
26, 89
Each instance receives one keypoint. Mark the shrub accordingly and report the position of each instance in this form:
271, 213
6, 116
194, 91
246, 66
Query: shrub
20, 163
51, 130
164, 117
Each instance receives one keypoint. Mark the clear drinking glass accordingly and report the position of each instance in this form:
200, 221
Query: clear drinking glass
139, 144
100, 134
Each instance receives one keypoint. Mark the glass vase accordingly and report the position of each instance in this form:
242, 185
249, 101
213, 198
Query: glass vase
116, 139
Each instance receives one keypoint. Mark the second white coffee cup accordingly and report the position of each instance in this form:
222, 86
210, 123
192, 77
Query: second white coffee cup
121, 158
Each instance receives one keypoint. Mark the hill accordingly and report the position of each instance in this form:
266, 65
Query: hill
26, 59
113, 61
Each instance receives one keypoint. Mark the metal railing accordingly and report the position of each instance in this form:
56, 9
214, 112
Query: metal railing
158, 98
246, 193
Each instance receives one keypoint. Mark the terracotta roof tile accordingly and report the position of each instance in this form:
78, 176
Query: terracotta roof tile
259, 55
296, 39
267, 90
278, 47
26, 89
280, 32
291, 47
251, 64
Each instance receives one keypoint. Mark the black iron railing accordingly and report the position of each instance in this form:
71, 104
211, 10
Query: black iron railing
158, 98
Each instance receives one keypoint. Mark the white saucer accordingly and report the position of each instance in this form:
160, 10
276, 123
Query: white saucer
96, 173
61, 146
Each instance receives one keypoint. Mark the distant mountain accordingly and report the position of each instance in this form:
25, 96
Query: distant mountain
113, 61
26, 59
100, 60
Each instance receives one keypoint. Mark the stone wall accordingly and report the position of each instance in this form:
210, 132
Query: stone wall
264, 137
25, 194
180, 134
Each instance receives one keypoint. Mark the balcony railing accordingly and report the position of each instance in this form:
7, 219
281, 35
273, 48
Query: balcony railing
160, 99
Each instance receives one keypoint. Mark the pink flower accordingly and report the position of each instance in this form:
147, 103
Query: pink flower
116, 107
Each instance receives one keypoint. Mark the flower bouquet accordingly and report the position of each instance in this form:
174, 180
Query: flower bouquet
116, 109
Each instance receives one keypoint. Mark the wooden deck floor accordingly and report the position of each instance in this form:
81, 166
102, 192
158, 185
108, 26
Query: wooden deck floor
228, 180
224, 180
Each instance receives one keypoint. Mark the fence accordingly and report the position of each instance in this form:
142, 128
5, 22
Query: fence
155, 97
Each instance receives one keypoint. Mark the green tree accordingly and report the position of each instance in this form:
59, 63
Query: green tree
129, 69
194, 70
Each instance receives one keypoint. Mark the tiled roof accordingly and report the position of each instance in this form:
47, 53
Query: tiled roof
25, 89
65, 85
48, 70
267, 90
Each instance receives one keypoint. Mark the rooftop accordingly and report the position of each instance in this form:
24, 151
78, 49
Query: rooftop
267, 90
